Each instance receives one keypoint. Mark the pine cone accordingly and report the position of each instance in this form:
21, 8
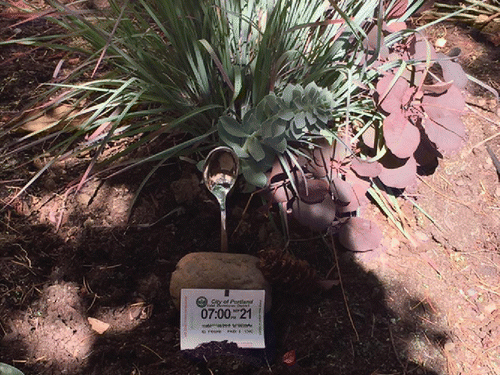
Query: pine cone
287, 273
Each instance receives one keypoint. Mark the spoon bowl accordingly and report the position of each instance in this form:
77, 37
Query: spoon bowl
219, 174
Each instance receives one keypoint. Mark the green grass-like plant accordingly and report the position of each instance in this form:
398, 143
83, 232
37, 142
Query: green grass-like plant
272, 79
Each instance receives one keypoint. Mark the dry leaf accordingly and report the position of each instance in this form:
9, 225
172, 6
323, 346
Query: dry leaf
97, 325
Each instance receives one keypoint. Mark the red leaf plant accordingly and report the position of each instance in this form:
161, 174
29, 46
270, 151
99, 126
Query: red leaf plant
419, 107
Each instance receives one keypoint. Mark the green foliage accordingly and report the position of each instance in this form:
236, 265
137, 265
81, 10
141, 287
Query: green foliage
6, 369
177, 67
269, 78
266, 130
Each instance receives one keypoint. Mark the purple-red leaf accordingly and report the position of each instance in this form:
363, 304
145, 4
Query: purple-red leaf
453, 71
317, 216
401, 137
360, 187
278, 184
369, 137
451, 102
342, 190
313, 191
437, 88
422, 50
396, 26
398, 173
320, 162
366, 169
397, 10
359, 234
393, 95
447, 133
371, 42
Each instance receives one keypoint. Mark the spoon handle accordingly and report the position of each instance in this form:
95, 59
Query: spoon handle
223, 231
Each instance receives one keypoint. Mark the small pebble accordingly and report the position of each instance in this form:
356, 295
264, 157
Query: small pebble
440, 43
449, 346
471, 292
489, 308
395, 243
421, 236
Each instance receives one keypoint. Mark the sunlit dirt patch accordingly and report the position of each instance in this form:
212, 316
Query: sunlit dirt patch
54, 330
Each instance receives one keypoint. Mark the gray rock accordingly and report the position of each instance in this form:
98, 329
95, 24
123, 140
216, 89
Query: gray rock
218, 271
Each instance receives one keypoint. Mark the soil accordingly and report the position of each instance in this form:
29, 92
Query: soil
84, 288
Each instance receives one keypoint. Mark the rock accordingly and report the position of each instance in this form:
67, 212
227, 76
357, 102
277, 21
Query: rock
218, 271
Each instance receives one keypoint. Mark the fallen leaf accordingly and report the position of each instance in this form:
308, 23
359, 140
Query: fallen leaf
97, 325
290, 358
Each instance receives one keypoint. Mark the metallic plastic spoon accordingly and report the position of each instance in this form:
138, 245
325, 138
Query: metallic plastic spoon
219, 174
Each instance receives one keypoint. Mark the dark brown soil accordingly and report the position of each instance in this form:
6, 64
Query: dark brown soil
426, 306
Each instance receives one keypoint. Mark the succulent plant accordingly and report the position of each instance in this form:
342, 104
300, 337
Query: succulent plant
266, 130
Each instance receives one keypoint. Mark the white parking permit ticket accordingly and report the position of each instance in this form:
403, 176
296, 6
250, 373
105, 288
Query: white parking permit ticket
217, 315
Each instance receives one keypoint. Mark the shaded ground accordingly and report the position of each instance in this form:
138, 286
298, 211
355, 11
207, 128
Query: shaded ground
427, 307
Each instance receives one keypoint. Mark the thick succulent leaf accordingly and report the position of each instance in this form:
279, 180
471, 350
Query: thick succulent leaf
422, 49
394, 27
286, 115
392, 101
320, 160
288, 93
280, 192
437, 88
451, 102
277, 143
368, 137
366, 169
358, 234
250, 122
453, 71
342, 191
273, 127
317, 216
300, 120
255, 149
447, 133
401, 137
397, 10
360, 186
371, 43
231, 126
313, 191
311, 120
398, 173
312, 91
253, 175
6, 369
